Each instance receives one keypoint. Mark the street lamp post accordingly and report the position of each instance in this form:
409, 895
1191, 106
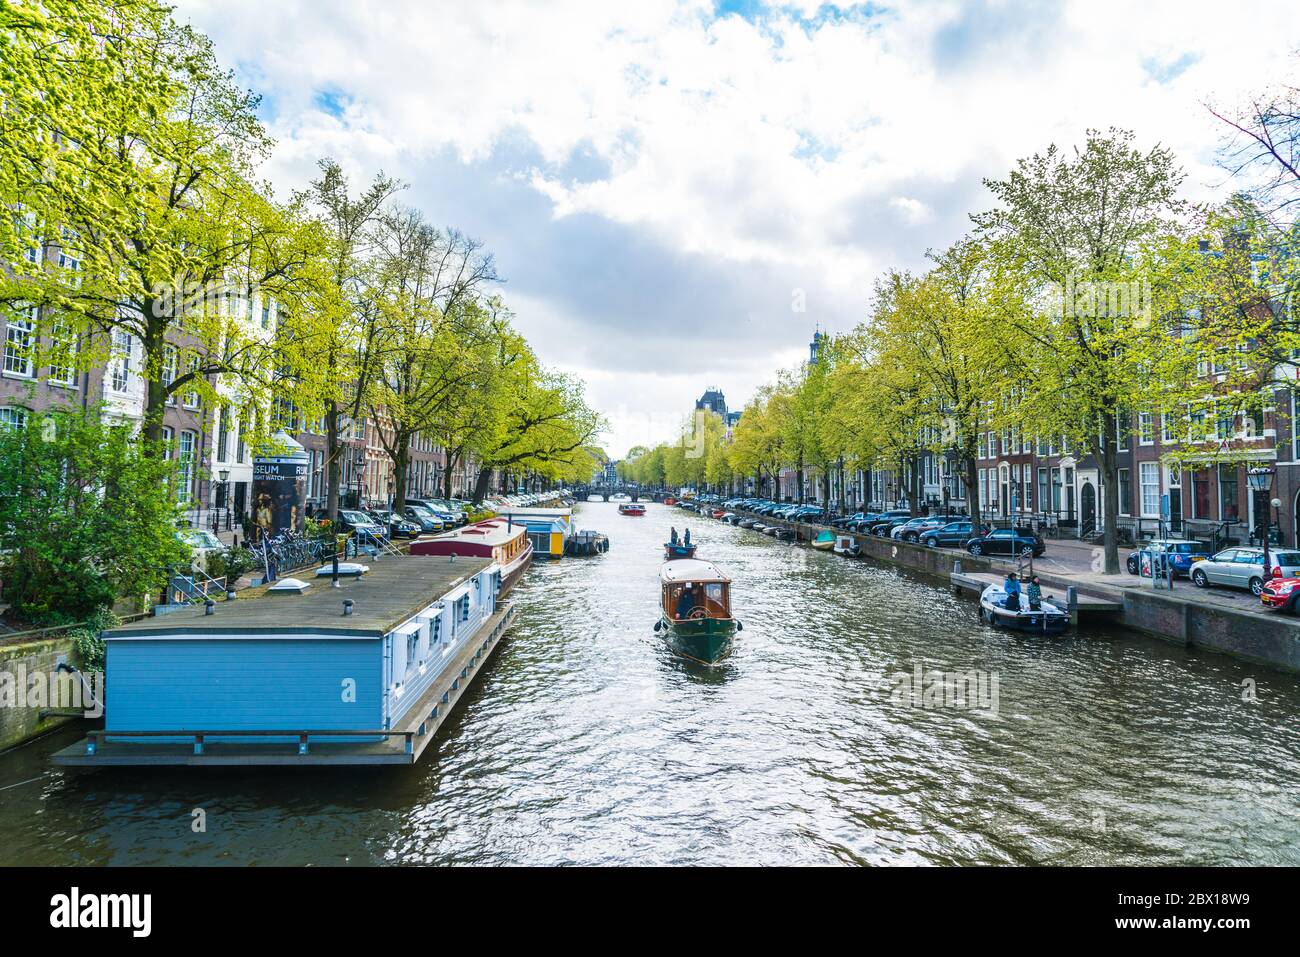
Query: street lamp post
223, 477
1261, 480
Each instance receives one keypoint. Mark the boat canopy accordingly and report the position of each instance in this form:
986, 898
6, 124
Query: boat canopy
690, 570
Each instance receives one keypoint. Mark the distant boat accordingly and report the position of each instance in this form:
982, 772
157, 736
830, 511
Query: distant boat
1046, 619
824, 541
631, 508
847, 545
718, 512
670, 501
699, 627
679, 550
620, 497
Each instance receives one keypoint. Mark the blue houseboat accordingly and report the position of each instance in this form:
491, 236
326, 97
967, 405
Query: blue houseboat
361, 673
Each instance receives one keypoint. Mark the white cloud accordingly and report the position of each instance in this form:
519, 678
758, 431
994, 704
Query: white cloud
810, 148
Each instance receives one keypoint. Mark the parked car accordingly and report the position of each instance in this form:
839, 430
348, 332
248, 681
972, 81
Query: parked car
354, 521
947, 536
913, 530
1181, 554
1243, 567
427, 520
1281, 594
398, 526
885, 521
1007, 541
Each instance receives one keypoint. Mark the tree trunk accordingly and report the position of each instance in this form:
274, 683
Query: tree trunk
333, 470
972, 487
1110, 471
155, 402
446, 474
481, 484
401, 465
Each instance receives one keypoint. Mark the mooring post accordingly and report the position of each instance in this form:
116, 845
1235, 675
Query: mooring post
1072, 603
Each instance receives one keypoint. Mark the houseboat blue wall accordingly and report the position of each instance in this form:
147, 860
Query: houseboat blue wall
196, 684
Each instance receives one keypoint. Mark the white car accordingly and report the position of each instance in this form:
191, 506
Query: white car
1243, 567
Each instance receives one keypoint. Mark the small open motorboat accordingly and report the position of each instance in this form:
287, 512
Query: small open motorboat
718, 512
670, 500
731, 518
824, 541
620, 497
781, 533
1046, 619
679, 547
695, 610
758, 527
747, 522
631, 508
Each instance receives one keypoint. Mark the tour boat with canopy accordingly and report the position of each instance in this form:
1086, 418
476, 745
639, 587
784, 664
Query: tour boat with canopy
631, 508
695, 610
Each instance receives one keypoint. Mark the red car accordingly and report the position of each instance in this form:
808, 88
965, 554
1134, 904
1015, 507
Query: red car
1281, 593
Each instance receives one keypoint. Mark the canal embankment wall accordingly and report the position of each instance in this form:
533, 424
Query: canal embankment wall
1265, 637
25, 712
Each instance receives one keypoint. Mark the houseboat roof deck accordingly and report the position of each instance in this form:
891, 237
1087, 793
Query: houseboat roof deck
389, 594
492, 531
560, 513
690, 570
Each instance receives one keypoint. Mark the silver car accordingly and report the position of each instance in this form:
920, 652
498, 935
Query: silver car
1243, 567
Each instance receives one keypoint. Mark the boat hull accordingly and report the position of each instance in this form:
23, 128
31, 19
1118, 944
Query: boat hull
679, 551
1046, 620
707, 640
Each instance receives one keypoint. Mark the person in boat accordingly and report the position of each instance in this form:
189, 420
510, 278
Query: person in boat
1034, 593
672, 535
1012, 588
687, 540
686, 602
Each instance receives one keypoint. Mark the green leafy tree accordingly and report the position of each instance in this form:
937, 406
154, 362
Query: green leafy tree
87, 515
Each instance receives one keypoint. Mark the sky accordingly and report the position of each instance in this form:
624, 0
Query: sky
678, 193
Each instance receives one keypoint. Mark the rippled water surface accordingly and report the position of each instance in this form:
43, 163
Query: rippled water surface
586, 741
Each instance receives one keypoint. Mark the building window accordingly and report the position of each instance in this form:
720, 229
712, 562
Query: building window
191, 399
169, 366
1228, 493
119, 365
185, 453
19, 337
1125, 492
1146, 429
12, 417
1149, 479
63, 350
223, 433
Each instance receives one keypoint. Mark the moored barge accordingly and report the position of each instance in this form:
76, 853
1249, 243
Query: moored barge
504, 541
359, 673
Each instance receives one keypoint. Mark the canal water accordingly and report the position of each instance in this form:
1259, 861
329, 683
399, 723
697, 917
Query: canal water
586, 741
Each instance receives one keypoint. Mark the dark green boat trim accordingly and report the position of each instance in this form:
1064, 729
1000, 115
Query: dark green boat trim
706, 640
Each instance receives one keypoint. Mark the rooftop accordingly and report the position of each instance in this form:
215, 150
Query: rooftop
690, 570
390, 593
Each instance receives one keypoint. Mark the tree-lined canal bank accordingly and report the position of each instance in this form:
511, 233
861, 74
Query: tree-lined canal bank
587, 741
